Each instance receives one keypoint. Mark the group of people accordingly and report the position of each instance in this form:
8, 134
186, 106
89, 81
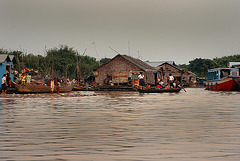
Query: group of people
171, 83
56, 83
52, 84
6, 83
25, 78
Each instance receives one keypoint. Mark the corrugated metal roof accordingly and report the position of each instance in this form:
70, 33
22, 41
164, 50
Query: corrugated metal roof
159, 63
3, 57
11, 57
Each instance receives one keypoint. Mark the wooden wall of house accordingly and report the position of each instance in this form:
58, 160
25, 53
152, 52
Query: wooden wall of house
188, 78
183, 76
168, 69
119, 64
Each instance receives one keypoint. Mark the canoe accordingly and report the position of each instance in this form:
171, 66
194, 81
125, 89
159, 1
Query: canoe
34, 88
77, 88
157, 90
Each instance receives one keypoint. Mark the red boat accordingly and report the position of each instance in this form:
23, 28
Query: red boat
227, 79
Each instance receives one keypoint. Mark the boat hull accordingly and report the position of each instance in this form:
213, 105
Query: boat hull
33, 88
227, 84
76, 88
156, 90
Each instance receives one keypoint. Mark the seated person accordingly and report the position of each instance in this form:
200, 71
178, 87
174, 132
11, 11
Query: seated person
162, 84
159, 86
148, 86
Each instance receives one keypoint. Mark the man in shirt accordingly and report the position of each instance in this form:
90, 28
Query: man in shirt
171, 80
141, 80
4, 84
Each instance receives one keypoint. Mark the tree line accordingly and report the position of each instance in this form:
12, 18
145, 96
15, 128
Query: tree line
62, 61
200, 66
67, 62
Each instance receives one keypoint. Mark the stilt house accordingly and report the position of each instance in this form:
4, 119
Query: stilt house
123, 70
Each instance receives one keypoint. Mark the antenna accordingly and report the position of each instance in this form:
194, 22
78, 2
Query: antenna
114, 50
79, 66
84, 51
129, 47
52, 64
95, 48
138, 54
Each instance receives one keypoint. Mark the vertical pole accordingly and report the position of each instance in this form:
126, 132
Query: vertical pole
52, 64
129, 48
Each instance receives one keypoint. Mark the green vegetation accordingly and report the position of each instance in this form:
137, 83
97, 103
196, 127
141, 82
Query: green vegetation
200, 66
59, 62
62, 61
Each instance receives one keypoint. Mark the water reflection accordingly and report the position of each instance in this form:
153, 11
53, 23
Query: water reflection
192, 125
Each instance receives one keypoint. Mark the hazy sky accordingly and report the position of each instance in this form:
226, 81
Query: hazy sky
178, 30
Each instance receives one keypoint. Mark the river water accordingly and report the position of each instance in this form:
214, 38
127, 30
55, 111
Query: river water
195, 125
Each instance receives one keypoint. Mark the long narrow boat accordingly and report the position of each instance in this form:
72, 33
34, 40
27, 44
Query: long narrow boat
34, 88
77, 88
157, 90
227, 79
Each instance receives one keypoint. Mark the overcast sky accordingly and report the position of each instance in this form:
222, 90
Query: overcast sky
154, 30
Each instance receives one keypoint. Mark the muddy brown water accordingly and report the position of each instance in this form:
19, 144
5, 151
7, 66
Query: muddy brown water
195, 125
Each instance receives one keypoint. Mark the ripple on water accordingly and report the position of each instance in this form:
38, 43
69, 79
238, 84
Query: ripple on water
193, 125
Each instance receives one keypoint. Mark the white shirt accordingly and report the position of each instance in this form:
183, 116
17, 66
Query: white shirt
171, 78
140, 76
4, 80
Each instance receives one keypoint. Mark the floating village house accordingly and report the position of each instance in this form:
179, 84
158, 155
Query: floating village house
6, 65
165, 68
123, 70
185, 77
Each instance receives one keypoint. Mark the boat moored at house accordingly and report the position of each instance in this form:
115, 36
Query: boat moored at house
227, 79
37, 88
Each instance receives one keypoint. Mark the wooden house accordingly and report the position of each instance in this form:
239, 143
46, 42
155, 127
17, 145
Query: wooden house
189, 78
185, 77
123, 70
6, 65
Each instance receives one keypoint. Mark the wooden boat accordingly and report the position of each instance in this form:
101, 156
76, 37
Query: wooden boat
158, 90
77, 88
227, 79
35, 88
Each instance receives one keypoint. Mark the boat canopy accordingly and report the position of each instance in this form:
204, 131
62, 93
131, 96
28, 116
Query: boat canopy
218, 73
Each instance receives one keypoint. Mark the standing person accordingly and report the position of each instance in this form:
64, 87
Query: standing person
171, 80
178, 84
28, 78
58, 87
4, 84
23, 78
52, 86
15, 73
141, 80
10, 82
